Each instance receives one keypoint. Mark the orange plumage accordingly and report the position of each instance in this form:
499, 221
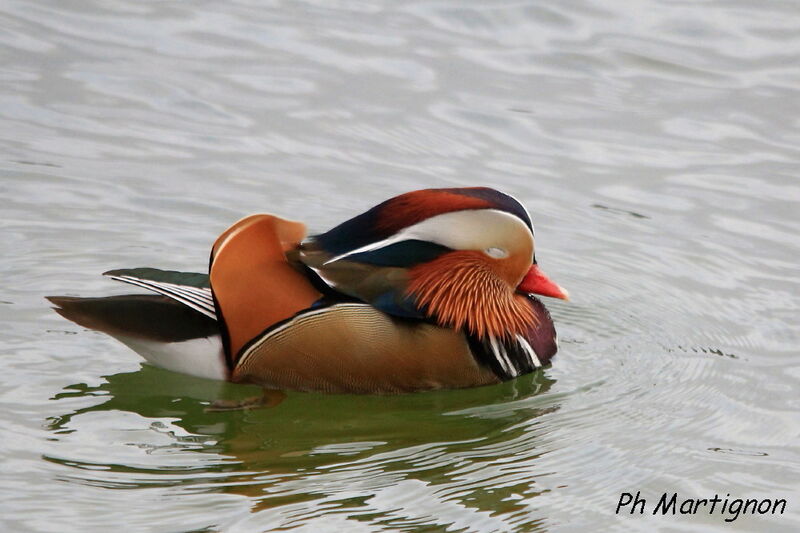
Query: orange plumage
463, 290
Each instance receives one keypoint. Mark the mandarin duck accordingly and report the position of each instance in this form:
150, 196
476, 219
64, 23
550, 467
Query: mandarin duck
427, 290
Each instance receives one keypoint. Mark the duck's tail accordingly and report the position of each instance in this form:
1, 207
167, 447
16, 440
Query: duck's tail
165, 332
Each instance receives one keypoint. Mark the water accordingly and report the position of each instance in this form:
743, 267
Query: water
655, 143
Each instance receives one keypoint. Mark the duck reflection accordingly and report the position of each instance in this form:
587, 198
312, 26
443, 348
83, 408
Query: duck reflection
343, 448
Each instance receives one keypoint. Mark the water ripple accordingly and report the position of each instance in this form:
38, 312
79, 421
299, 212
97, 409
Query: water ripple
653, 144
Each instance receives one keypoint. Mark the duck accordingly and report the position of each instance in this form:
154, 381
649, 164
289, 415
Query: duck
431, 289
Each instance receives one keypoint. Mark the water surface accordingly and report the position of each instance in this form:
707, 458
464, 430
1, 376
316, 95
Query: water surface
655, 144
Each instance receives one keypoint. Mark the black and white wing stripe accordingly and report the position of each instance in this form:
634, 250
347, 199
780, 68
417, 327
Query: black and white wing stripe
197, 298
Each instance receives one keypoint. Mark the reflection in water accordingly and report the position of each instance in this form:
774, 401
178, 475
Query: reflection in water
465, 452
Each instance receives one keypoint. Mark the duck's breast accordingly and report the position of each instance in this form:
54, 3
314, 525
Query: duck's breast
354, 348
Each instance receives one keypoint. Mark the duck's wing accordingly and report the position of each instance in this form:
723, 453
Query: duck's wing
254, 284
182, 327
144, 316
379, 277
189, 288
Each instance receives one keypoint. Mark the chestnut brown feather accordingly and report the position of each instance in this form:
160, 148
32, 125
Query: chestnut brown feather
415, 206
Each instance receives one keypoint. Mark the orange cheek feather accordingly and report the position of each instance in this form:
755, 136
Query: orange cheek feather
466, 289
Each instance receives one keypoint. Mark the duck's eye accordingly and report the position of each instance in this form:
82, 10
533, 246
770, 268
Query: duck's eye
497, 253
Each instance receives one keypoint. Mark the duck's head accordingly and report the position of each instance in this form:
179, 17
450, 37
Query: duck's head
464, 258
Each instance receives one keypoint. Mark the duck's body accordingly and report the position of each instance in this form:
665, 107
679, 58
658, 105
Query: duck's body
425, 291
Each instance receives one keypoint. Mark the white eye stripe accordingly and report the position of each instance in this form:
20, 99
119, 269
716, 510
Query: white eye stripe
459, 230
497, 253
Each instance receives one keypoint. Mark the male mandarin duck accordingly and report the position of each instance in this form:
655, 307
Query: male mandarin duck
431, 289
